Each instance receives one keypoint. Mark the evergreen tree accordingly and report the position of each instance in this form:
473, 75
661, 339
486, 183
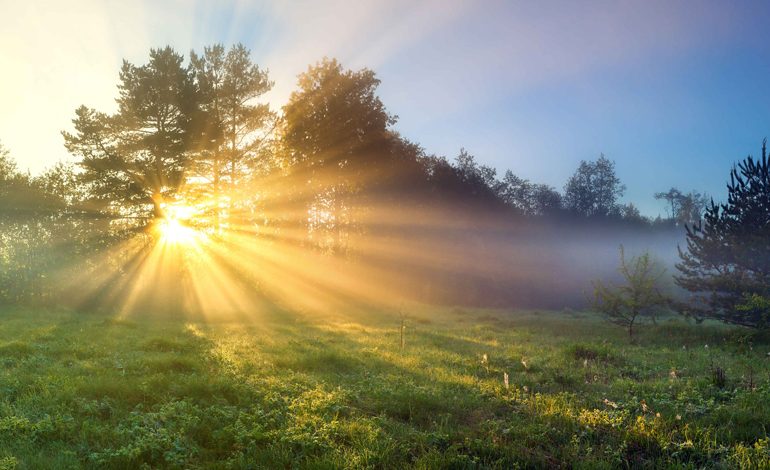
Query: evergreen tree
134, 161
236, 127
727, 261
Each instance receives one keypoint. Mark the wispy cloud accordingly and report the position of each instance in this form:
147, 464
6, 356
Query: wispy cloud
436, 58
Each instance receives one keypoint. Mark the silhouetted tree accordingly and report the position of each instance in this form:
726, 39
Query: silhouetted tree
630, 213
691, 208
727, 259
528, 198
546, 200
516, 192
135, 160
684, 208
594, 188
673, 197
236, 128
335, 129
479, 181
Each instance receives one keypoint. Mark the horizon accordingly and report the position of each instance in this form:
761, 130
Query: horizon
673, 96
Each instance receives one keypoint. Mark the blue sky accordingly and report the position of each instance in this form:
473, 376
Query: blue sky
674, 92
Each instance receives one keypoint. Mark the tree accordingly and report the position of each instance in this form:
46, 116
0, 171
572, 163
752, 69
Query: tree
236, 127
7, 164
20, 194
727, 259
527, 197
134, 161
673, 197
546, 200
684, 208
334, 132
639, 295
36, 232
594, 188
631, 213
691, 207
516, 192
479, 181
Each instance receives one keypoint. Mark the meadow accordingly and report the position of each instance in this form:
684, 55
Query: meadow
298, 390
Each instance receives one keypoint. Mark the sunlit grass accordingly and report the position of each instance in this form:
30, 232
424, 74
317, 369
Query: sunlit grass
82, 390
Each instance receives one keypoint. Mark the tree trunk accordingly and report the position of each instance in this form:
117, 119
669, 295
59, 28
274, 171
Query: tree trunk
157, 202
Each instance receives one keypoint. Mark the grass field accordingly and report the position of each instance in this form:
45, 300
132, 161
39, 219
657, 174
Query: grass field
288, 390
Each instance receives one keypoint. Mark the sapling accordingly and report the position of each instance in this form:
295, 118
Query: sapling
640, 293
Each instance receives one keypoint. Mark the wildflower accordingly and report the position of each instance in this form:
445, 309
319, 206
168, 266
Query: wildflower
505, 379
644, 406
657, 415
706, 346
678, 417
672, 374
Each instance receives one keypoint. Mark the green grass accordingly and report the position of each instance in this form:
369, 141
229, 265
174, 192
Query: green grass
284, 390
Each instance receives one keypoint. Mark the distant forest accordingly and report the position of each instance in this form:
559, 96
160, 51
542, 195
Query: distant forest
324, 187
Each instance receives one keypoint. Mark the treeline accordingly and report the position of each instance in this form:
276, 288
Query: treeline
327, 174
43, 229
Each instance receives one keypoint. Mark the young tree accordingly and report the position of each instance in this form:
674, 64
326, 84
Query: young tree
727, 259
639, 295
594, 189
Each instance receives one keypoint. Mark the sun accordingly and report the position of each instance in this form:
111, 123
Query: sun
175, 232
173, 228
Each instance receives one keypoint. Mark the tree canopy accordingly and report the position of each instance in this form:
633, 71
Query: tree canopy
594, 189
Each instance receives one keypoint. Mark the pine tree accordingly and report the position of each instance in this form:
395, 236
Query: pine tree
135, 160
727, 261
